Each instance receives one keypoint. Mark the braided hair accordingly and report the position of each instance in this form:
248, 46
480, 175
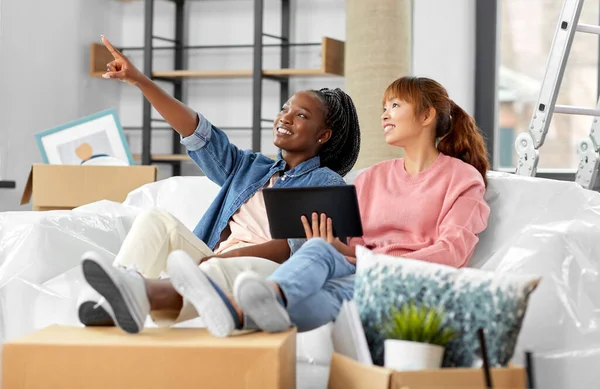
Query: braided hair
341, 151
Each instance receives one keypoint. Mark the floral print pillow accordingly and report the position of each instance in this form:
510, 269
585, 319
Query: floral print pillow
470, 299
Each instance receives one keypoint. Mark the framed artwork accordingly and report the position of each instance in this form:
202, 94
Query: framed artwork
75, 143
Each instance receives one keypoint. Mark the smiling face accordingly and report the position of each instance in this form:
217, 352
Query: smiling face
399, 123
411, 107
300, 125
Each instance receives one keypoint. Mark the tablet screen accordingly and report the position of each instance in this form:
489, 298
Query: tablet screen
285, 206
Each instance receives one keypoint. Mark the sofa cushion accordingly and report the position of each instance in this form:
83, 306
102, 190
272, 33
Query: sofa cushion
468, 299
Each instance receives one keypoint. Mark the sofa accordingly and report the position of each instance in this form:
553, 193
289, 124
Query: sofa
538, 226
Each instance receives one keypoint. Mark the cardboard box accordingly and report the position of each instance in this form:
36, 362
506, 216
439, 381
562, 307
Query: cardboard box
167, 358
346, 373
69, 186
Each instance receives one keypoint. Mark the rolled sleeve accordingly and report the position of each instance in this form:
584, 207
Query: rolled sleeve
211, 150
200, 137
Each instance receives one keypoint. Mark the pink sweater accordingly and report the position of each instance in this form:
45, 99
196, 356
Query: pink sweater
434, 215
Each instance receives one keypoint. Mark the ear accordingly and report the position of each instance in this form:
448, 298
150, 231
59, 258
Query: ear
324, 136
428, 116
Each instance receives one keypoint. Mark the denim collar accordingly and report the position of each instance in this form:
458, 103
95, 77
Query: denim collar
303, 168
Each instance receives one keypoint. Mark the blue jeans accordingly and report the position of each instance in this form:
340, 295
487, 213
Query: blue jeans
315, 281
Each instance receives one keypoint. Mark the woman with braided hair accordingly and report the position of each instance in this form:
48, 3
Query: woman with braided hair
318, 135
437, 190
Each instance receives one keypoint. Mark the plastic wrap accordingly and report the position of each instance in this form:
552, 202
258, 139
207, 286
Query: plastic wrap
550, 228
40, 252
36, 247
186, 198
544, 227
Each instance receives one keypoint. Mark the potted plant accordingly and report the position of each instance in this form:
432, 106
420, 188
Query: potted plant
415, 338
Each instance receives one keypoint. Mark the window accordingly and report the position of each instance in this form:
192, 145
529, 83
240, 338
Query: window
526, 30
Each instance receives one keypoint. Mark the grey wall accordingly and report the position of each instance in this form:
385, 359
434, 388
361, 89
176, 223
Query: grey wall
44, 62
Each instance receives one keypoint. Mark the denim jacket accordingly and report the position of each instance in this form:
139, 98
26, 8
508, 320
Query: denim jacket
240, 174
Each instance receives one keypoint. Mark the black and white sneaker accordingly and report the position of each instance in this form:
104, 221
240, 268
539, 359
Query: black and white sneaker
210, 302
259, 300
93, 310
123, 289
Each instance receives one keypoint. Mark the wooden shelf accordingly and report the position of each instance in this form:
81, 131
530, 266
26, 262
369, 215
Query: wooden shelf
298, 73
165, 157
99, 58
204, 74
173, 157
332, 55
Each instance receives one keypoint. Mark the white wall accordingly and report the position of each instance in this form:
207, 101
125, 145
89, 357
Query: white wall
444, 46
44, 82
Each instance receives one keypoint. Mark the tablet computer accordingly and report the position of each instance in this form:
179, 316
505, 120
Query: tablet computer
285, 206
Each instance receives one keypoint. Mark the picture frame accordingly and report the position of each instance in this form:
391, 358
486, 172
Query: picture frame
81, 140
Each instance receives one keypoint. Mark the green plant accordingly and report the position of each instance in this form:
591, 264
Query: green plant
418, 324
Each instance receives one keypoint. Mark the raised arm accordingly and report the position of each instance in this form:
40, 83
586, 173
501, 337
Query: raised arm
207, 145
182, 118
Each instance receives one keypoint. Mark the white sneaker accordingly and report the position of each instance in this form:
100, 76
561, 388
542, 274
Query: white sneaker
124, 291
93, 309
258, 299
210, 302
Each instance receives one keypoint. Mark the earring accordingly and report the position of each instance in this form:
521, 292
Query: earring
319, 140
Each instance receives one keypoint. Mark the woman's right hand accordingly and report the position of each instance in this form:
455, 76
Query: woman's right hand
121, 68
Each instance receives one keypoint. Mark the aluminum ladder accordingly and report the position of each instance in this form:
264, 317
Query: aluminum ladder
527, 144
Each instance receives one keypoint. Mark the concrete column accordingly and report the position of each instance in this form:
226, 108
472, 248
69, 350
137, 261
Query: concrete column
378, 51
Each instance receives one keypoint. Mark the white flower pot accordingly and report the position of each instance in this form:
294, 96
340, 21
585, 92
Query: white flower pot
404, 355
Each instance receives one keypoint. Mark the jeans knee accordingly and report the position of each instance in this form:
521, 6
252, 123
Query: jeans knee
314, 312
318, 244
320, 249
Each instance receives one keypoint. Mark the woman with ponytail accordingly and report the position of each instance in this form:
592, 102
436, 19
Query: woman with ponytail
426, 206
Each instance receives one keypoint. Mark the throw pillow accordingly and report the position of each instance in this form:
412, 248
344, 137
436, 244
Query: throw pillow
469, 298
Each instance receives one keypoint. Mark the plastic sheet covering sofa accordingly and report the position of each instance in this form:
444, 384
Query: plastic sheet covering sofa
539, 226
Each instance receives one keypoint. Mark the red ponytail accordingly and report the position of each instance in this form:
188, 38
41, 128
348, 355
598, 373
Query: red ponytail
464, 141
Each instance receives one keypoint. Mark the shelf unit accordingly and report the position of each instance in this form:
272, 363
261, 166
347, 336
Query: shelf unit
332, 65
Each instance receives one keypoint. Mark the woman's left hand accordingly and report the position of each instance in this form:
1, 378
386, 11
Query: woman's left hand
322, 227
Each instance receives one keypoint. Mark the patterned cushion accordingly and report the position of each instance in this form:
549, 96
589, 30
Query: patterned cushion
470, 298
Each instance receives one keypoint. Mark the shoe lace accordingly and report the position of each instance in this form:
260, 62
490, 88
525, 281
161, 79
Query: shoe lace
99, 303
